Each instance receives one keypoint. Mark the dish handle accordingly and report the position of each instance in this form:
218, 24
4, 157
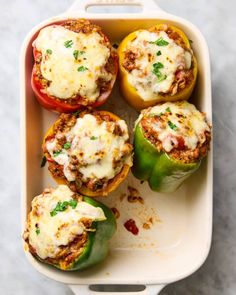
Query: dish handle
147, 6
85, 290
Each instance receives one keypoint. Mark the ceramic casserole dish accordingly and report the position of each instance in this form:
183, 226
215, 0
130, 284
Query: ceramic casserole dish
179, 241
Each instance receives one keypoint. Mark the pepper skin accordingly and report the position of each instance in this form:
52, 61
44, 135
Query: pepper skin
131, 94
112, 185
162, 173
64, 106
96, 247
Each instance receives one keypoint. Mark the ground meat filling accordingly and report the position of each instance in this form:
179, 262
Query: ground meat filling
69, 253
183, 77
179, 150
64, 125
81, 26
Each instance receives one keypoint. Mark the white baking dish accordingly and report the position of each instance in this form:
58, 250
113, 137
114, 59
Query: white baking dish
179, 241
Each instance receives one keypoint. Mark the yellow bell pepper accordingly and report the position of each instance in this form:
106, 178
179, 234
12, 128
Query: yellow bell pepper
131, 94
112, 184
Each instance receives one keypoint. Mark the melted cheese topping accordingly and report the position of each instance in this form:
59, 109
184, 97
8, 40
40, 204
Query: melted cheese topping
180, 119
171, 56
95, 147
72, 62
61, 229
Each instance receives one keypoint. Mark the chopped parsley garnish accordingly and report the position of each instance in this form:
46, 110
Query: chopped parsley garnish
49, 51
158, 52
160, 42
156, 70
190, 41
62, 206
82, 69
93, 137
43, 162
168, 110
161, 77
37, 231
76, 53
68, 43
55, 154
172, 125
158, 65
73, 203
67, 145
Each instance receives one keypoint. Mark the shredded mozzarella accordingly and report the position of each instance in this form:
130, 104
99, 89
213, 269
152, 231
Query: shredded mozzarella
181, 119
171, 56
61, 229
95, 147
72, 62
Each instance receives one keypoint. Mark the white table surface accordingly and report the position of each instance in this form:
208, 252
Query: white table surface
217, 21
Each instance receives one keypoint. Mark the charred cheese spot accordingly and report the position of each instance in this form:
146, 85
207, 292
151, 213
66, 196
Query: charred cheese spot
147, 53
75, 63
46, 233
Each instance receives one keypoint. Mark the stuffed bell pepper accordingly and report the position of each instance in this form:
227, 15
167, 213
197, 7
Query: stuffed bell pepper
169, 142
156, 65
89, 152
67, 230
75, 66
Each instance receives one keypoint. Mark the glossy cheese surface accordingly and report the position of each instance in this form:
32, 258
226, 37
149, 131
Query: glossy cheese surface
48, 231
72, 62
157, 59
95, 146
178, 120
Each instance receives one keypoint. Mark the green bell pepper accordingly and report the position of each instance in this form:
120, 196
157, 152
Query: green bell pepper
96, 247
162, 173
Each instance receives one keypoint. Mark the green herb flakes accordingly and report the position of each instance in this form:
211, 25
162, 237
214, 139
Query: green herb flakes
172, 126
37, 231
68, 43
93, 138
76, 53
156, 70
62, 206
168, 110
73, 203
82, 69
158, 53
57, 153
158, 65
160, 42
67, 145
161, 77
49, 51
